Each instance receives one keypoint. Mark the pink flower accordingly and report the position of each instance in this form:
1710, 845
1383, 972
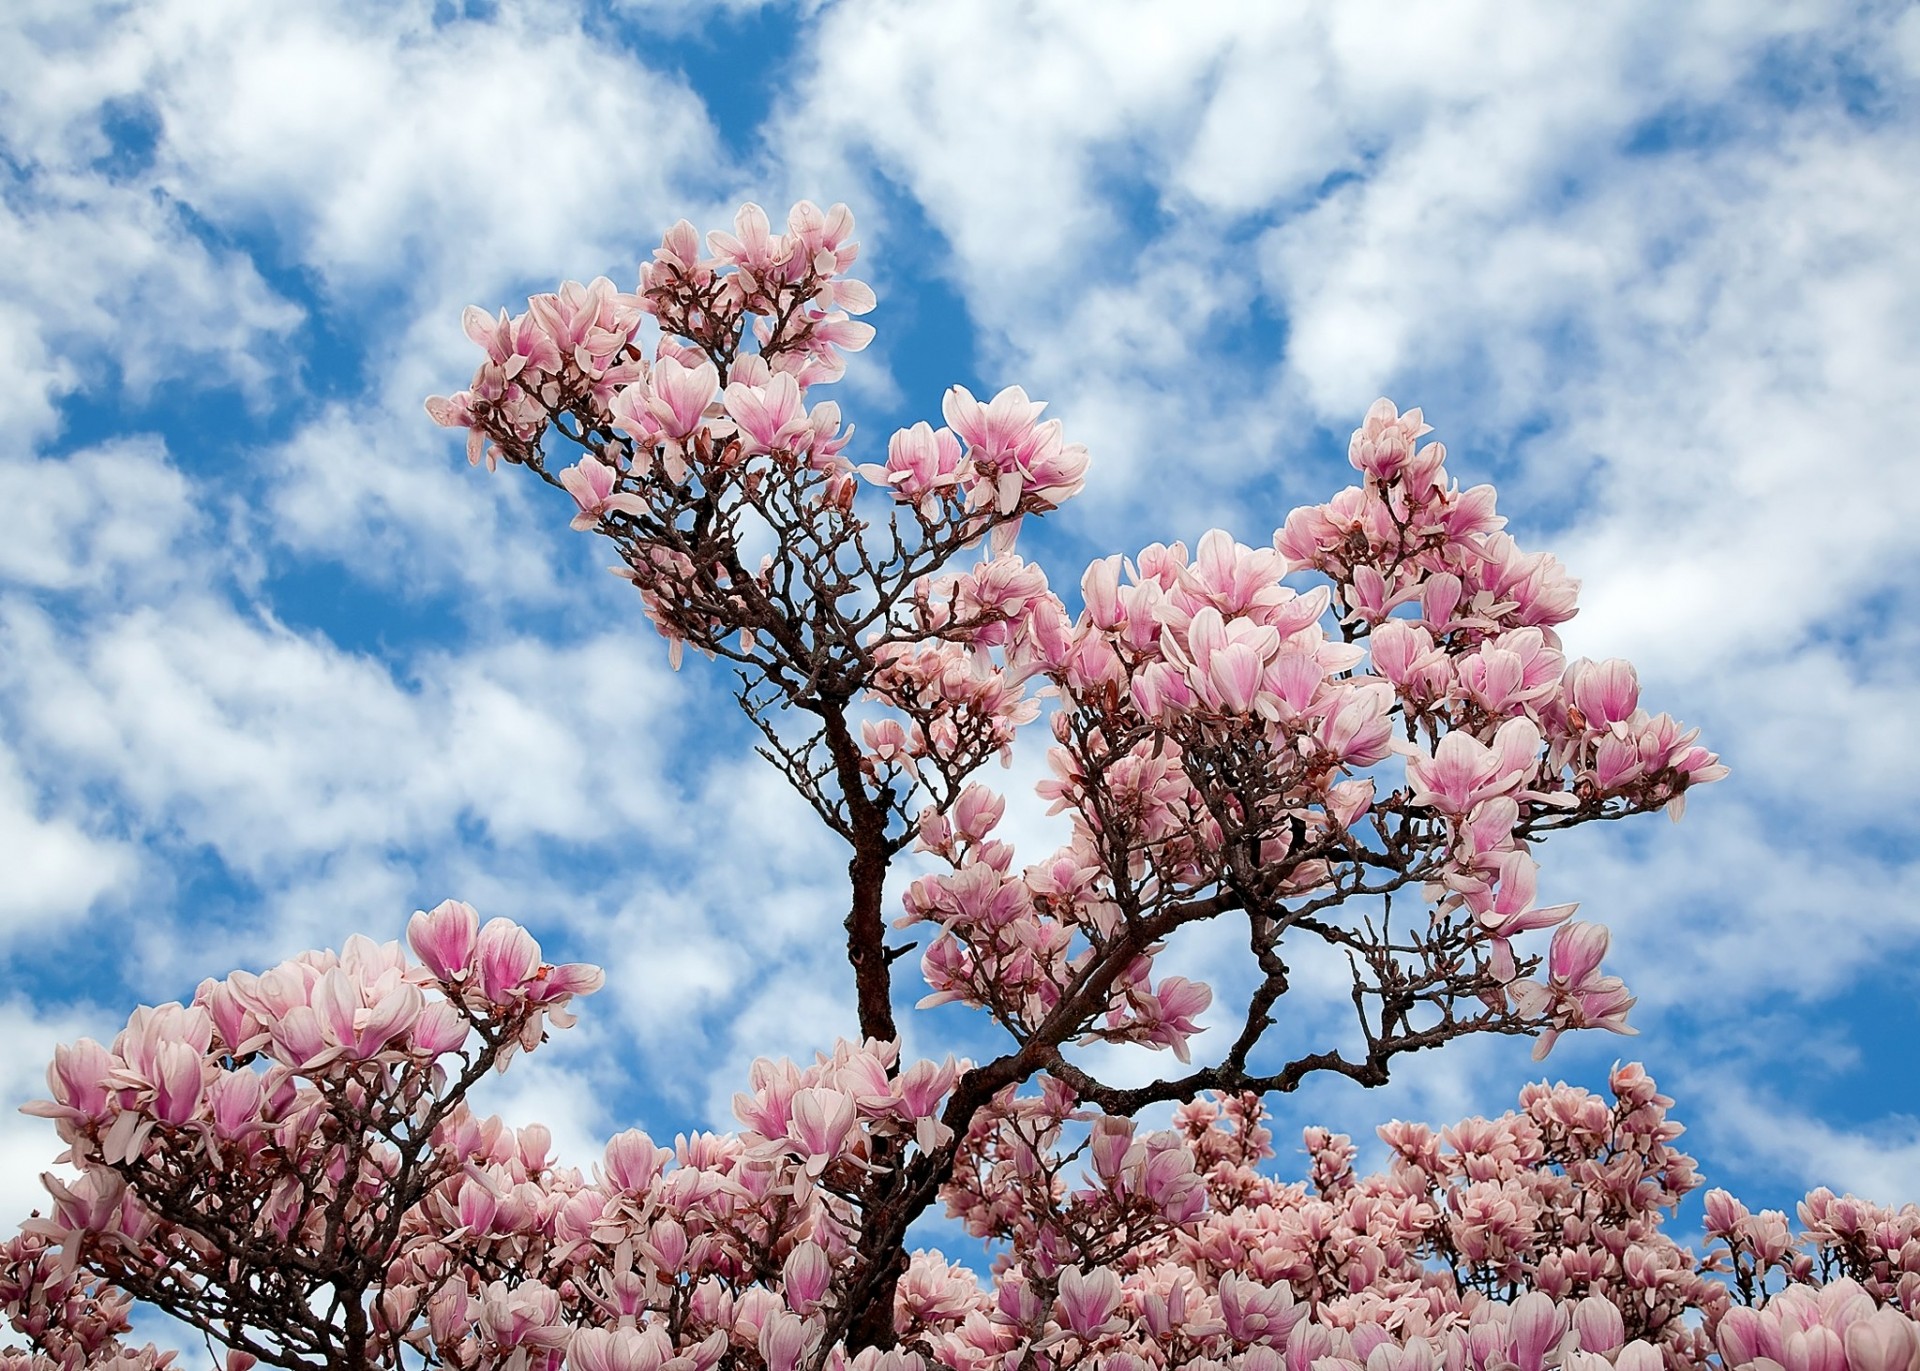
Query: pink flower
769, 416
667, 1242
363, 1029
830, 331
922, 462
1528, 589
1383, 444
1257, 1313
1352, 724
887, 745
1055, 469
633, 1162
440, 1029
1506, 908
77, 1078
1161, 1171
234, 1099
1089, 1302
1100, 591
1006, 443
301, 1040
591, 483
590, 325
91, 1203
512, 345
827, 232
1815, 1349
507, 958
476, 1205
1164, 1017
526, 1315
1107, 1144
785, 1339
1463, 771
1745, 1335
1511, 672
1439, 597
1885, 1340
1534, 1325
822, 1119
444, 939
1578, 949
1405, 655
1575, 995
177, 1083
977, 812
1600, 1325
681, 395
1606, 693
752, 245
1725, 1214
559, 983
924, 1085
805, 1277
618, 1349
679, 247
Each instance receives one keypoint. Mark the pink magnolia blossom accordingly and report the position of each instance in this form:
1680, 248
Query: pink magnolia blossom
1606, 693
769, 415
1088, 1302
921, 464
805, 1276
681, 394
591, 483
822, 1118
445, 938
1383, 444
1462, 772
1011, 451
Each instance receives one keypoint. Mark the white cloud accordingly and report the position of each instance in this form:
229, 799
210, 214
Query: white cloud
109, 288
370, 490
741, 952
385, 146
110, 517
273, 744
330, 782
57, 869
1879, 1163
404, 166
995, 117
109, 283
1736, 900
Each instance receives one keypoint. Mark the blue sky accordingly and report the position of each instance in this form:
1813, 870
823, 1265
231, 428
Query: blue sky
276, 666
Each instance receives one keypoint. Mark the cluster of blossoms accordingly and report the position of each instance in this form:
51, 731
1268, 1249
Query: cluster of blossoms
1530, 1241
1217, 725
583, 343
75, 1317
715, 415
1212, 716
306, 1108
1292, 737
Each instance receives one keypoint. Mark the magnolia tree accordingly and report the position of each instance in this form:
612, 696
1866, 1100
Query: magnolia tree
1359, 766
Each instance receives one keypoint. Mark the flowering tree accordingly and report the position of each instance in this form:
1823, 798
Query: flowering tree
1360, 770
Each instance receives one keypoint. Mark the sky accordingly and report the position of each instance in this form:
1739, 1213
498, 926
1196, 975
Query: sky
277, 666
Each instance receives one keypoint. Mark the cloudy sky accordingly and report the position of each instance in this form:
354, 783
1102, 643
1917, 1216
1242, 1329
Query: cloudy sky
277, 666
